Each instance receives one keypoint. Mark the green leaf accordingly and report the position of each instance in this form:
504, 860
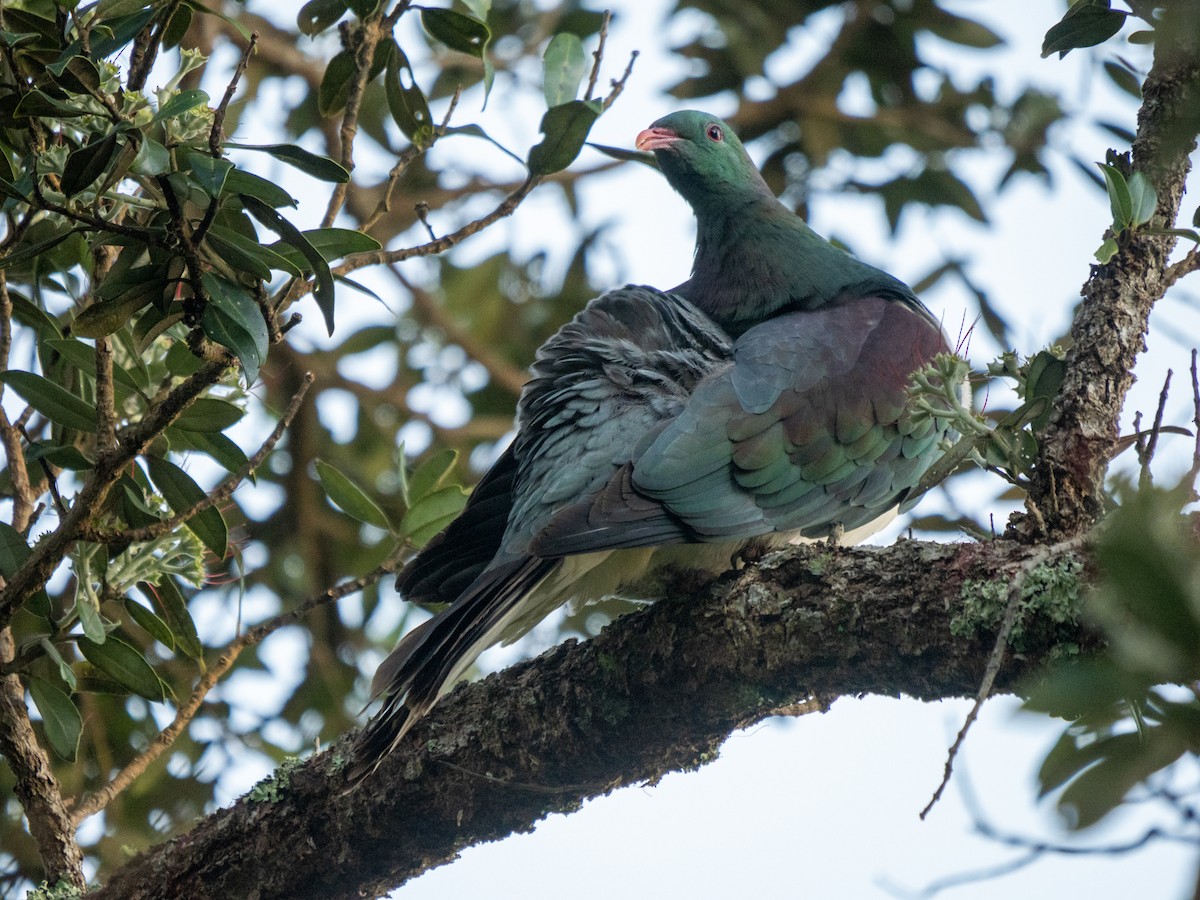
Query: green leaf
179, 104
64, 669
150, 623
563, 68
233, 319
323, 291
122, 662
209, 414
313, 164
181, 493
51, 400
210, 173
240, 182
478, 8
177, 26
335, 84
38, 104
432, 513
363, 8
241, 254
566, 129
152, 159
406, 103
457, 31
87, 164
1118, 197
13, 553
90, 619
1143, 199
60, 718
169, 601
331, 243
349, 497
476, 131
1106, 251
36, 250
248, 255
224, 451
621, 153
317, 15
430, 475
103, 318
1086, 24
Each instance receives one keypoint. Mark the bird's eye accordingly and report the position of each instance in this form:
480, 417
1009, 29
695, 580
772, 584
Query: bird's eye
715, 134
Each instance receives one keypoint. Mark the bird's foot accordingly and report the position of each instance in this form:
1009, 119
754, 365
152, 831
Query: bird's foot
748, 554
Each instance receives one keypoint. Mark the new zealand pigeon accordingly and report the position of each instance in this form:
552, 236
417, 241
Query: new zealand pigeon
760, 401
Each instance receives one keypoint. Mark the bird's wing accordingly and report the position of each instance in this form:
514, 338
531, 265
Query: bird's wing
456, 556
806, 431
606, 383
603, 388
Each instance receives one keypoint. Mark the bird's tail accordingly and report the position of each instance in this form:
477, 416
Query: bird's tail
430, 658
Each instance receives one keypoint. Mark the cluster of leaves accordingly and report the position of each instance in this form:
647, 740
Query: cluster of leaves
130, 227
1125, 727
1007, 444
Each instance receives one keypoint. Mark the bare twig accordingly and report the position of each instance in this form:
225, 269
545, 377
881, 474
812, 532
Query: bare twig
1190, 263
598, 55
97, 801
216, 134
403, 161
1194, 471
1146, 453
618, 84
218, 495
364, 40
996, 658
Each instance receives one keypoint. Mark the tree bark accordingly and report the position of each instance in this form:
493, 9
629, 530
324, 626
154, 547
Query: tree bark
1066, 497
657, 691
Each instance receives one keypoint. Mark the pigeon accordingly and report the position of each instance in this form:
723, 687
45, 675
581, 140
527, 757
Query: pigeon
762, 401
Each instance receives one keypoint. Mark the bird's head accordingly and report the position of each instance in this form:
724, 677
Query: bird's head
703, 160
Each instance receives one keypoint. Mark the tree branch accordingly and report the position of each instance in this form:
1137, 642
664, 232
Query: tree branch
36, 787
656, 691
1111, 322
94, 803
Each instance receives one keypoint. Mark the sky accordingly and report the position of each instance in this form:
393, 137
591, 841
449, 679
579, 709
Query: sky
826, 805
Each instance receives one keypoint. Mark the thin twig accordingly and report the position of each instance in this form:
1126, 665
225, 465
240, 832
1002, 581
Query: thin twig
996, 659
218, 495
404, 160
1190, 263
367, 37
97, 801
1194, 471
1146, 454
216, 134
598, 55
618, 84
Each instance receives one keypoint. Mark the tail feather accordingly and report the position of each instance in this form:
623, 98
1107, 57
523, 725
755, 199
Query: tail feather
430, 658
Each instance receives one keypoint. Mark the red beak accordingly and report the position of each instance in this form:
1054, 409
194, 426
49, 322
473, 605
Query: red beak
655, 139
